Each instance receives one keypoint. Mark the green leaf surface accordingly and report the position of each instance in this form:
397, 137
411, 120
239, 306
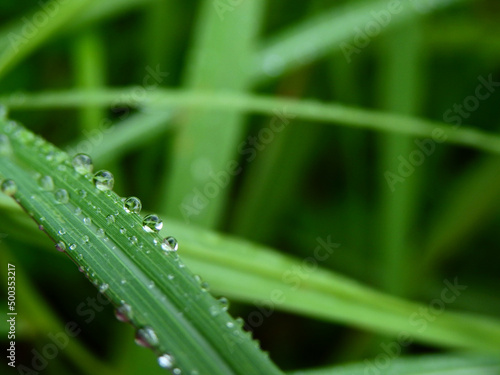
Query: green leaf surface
165, 302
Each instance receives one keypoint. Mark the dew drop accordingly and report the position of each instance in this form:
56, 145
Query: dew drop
62, 196
87, 220
9, 187
132, 204
78, 211
166, 361
61, 232
152, 224
82, 164
103, 287
229, 324
5, 147
171, 277
72, 246
60, 246
205, 286
47, 183
124, 312
169, 244
82, 193
146, 337
100, 232
223, 303
104, 180
133, 240
110, 219
176, 371
213, 310
85, 239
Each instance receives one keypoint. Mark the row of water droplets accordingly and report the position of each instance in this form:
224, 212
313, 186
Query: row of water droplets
104, 181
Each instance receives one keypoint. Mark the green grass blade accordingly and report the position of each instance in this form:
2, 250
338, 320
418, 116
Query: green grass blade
447, 364
25, 36
108, 144
125, 262
400, 91
257, 274
330, 113
220, 58
331, 31
248, 272
89, 66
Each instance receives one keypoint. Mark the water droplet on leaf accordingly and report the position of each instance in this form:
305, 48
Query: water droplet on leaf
103, 287
47, 183
169, 244
104, 180
223, 303
146, 337
83, 164
132, 204
124, 312
62, 196
61, 246
9, 187
166, 361
152, 224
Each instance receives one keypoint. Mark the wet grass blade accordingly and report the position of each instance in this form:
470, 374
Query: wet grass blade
173, 314
253, 273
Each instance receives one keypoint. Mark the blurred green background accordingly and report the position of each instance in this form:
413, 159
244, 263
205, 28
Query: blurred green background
295, 180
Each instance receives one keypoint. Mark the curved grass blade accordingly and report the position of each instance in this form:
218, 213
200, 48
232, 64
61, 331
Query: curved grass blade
173, 314
312, 110
447, 364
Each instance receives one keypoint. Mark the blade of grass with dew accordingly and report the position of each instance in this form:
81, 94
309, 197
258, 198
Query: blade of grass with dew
43, 318
331, 31
207, 140
172, 312
442, 364
253, 273
312, 110
400, 91
19, 45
